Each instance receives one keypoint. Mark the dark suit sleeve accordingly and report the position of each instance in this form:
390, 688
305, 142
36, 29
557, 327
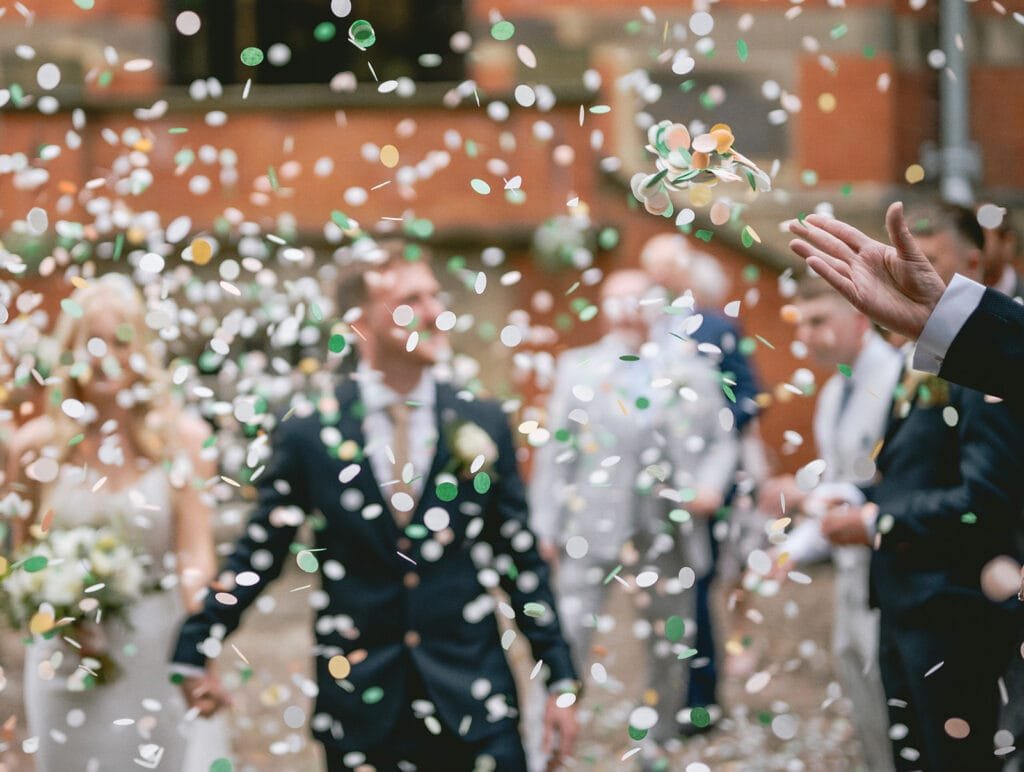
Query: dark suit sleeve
988, 352
262, 548
991, 482
513, 542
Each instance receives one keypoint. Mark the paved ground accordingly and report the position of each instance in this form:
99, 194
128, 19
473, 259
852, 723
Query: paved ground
796, 701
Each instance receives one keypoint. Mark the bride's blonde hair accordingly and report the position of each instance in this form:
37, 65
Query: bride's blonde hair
153, 420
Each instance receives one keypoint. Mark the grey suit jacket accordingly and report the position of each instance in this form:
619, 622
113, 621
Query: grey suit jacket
630, 441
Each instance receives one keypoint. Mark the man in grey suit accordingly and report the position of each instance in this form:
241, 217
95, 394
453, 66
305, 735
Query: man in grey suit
849, 422
638, 454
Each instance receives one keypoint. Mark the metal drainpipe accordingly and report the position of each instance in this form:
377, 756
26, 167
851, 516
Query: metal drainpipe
959, 160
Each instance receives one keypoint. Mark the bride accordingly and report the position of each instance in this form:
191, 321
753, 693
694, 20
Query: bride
114, 450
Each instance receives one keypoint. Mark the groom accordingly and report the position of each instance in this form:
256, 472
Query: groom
424, 511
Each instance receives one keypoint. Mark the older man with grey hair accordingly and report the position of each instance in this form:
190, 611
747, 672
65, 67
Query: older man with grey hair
638, 457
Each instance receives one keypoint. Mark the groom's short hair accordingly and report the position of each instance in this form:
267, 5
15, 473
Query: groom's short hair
367, 256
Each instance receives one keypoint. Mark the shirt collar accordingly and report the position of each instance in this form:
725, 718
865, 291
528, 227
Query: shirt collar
377, 396
1007, 283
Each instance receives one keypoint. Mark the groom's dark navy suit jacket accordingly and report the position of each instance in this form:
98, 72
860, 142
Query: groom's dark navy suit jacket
426, 611
952, 489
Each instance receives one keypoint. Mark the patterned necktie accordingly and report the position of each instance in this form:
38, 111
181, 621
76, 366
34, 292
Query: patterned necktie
401, 497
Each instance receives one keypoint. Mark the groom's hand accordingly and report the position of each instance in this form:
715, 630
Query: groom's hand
205, 692
560, 722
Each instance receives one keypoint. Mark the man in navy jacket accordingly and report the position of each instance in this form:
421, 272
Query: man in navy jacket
943, 517
423, 511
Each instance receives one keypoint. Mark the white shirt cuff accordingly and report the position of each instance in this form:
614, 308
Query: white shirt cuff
957, 303
186, 671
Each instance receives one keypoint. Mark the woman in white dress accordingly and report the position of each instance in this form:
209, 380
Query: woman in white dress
124, 456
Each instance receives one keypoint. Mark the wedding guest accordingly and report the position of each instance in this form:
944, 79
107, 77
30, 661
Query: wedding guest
965, 333
697, 285
944, 511
115, 451
597, 486
850, 417
425, 512
999, 260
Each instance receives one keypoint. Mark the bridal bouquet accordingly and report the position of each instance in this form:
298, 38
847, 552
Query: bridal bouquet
68, 584
696, 163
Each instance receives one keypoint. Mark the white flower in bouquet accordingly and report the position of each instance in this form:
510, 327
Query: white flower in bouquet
471, 442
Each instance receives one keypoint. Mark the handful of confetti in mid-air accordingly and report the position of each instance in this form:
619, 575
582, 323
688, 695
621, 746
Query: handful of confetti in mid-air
695, 165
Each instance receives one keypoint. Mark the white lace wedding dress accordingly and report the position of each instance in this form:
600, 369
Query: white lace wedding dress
138, 720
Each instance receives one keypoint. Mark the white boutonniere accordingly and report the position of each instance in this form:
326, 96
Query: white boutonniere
473, 448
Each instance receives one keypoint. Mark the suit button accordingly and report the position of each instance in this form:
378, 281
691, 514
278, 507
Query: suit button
411, 580
412, 639
404, 544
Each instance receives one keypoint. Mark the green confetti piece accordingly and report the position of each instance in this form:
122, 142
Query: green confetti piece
221, 765
729, 393
608, 238
503, 30
765, 342
614, 572
512, 572
747, 237
71, 308
85, 5
600, 109
588, 313
637, 734
361, 34
869, 52
482, 482
125, 333
272, 175
705, 235
480, 186
75, 440
809, 177
373, 695
968, 518
210, 441
534, 610
336, 343
687, 653
679, 516
471, 148
316, 313
674, 628
447, 491
416, 531
838, 31
742, 50
629, 358
177, 130
563, 435
751, 273
35, 563
341, 219
177, 679
642, 403
421, 228
307, 561
251, 56
845, 370
324, 31
846, 190
700, 717
118, 246
764, 717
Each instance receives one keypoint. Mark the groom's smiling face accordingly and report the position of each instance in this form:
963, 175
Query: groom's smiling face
405, 297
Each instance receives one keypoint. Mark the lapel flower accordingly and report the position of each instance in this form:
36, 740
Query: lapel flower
919, 389
472, 448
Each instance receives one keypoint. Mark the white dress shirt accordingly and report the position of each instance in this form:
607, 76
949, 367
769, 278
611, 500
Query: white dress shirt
957, 303
846, 440
378, 430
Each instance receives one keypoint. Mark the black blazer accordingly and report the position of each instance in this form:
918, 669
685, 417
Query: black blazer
988, 352
954, 497
420, 611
